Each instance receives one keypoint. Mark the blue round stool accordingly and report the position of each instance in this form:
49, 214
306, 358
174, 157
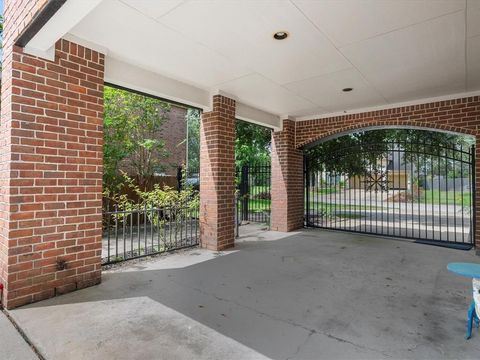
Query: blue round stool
471, 271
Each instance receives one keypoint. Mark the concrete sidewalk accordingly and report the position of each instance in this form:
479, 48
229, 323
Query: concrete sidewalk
12, 344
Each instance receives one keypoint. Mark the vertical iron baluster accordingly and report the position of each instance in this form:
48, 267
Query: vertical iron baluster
454, 169
169, 227
182, 219
124, 230
116, 232
159, 229
190, 223
131, 233
108, 230
426, 218
164, 224
307, 189
473, 198
432, 194
152, 236
418, 191
412, 179
400, 222
440, 223
388, 155
447, 193
407, 179
352, 218
145, 229
462, 186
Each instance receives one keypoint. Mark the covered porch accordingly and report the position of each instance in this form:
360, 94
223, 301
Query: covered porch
310, 294
307, 70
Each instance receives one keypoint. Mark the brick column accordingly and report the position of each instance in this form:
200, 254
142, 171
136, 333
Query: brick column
217, 175
50, 169
287, 180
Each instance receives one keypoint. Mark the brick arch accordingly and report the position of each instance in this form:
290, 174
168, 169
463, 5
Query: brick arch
456, 115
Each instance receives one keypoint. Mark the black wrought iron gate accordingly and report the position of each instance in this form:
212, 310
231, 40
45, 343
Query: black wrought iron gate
417, 191
253, 193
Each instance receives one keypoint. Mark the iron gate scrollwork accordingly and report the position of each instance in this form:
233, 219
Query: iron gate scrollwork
417, 191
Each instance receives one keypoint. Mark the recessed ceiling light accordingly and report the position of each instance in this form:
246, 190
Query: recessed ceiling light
280, 35
347, 89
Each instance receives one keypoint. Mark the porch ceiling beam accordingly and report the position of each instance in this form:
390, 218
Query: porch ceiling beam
55, 20
129, 76
132, 77
259, 117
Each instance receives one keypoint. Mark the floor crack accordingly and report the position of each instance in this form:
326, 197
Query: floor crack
310, 331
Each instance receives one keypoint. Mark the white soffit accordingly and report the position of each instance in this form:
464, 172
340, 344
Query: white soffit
388, 51
43, 43
422, 60
350, 21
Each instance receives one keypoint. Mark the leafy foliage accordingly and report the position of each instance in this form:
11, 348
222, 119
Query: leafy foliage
354, 153
193, 131
132, 125
252, 144
178, 203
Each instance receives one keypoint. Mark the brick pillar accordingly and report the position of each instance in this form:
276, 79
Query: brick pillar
50, 169
217, 175
287, 180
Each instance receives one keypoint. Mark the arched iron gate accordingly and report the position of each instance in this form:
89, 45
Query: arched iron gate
417, 191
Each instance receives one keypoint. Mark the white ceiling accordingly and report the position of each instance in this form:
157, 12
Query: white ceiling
388, 51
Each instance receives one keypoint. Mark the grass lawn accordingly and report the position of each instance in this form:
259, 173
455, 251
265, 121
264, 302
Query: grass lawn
429, 197
445, 197
257, 205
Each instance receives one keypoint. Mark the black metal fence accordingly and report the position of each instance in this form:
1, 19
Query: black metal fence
188, 176
135, 233
417, 191
254, 193
253, 190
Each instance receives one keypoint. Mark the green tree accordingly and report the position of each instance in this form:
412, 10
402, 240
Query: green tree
252, 144
355, 153
132, 139
193, 138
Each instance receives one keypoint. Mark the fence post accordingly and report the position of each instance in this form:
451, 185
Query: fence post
306, 174
179, 178
244, 193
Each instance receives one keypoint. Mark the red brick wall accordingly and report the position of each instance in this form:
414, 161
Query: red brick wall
457, 115
217, 175
287, 180
50, 167
17, 14
174, 134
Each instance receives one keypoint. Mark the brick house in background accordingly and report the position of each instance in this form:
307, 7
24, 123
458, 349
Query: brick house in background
173, 133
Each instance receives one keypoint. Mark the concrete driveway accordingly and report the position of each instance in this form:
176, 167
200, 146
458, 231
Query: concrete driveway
308, 295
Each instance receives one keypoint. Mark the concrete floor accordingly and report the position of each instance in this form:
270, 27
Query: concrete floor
12, 344
307, 295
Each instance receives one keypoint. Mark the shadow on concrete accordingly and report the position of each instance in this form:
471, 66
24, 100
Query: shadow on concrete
315, 294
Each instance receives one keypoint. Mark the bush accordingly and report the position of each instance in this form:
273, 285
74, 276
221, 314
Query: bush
179, 203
